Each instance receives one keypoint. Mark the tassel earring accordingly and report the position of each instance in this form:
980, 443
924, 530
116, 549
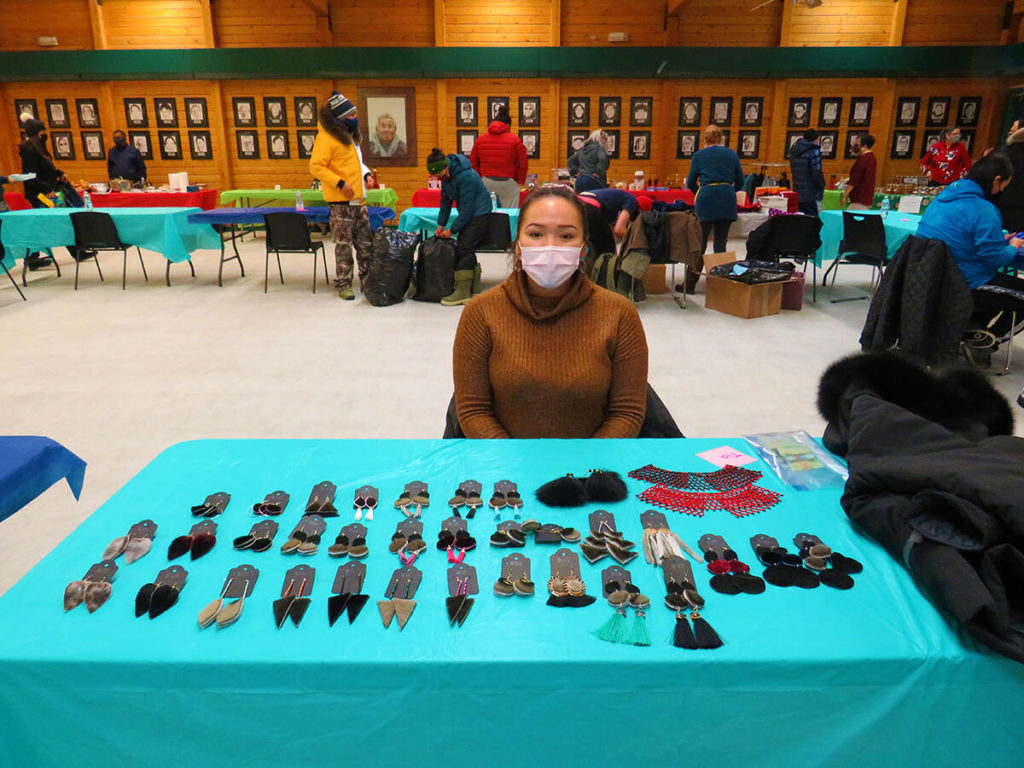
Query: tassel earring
604, 485
683, 635
639, 632
704, 634
566, 491
614, 630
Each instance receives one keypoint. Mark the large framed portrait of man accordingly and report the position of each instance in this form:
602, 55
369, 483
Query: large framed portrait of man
387, 118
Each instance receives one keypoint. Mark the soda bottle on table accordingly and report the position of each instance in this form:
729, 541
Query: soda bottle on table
87, 199
298, 200
885, 206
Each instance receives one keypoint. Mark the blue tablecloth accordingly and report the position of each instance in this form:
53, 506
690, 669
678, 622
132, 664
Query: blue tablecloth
164, 230
425, 219
898, 227
868, 677
318, 214
30, 465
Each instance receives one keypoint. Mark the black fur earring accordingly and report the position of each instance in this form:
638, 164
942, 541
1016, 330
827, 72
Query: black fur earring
605, 485
566, 491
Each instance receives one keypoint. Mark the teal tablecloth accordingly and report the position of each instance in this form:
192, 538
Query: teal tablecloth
870, 677
164, 230
898, 227
425, 219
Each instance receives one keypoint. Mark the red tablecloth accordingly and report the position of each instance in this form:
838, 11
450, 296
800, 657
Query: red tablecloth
206, 199
665, 195
431, 198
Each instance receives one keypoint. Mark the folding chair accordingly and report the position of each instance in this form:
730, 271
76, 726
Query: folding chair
863, 243
289, 233
96, 231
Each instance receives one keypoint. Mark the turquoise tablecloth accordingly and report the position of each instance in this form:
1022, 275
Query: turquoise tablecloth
425, 219
898, 227
164, 230
871, 677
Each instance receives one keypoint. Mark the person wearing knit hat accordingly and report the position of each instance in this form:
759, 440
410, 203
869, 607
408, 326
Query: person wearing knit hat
461, 184
337, 163
499, 156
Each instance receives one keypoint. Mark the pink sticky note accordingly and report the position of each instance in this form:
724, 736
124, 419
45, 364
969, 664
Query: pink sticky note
726, 455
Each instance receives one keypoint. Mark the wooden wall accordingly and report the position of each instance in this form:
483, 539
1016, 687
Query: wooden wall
21, 22
496, 22
164, 24
263, 24
841, 22
940, 22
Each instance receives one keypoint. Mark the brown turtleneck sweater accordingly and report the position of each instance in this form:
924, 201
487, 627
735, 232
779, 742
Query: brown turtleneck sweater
567, 363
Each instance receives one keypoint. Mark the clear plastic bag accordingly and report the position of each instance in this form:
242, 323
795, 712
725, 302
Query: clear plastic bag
799, 460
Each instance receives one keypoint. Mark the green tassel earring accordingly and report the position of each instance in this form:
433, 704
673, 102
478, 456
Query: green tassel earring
640, 635
614, 630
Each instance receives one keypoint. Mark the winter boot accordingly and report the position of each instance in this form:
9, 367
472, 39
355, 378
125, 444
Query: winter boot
477, 273
463, 288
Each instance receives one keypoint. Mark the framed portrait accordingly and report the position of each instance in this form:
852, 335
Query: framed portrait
88, 113
687, 142
750, 144
579, 110
247, 144
907, 108
529, 111
640, 111
932, 138
62, 144
639, 145
829, 143
274, 111
170, 145
902, 145
465, 141
610, 111
389, 115
967, 114
135, 113
574, 141
611, 144
751, 108
166, 111
92, 145
199, 145
195, 113
495, 103
791, 139
938, 112
690, 108
465, 110
140, 140
305, 110
21, 106
852, 143
726, 137
799, 112
304, 143
278, 147
830, 113
721, 110
967, 137
57, 113
860, 112
531, 140
244, 110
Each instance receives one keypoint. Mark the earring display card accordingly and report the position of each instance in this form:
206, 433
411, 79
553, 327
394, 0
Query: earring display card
471, 488
454, 524
240, 581
213, 505
265, 529
312, 525
409, 527
515, 567
364, 492
349, 578
549, 533
653, 519
618, 574
144, 529
462, 580
677, 569
204, 526
763, 541
354, 531
298, 581
714, 544
602, 520
404, 582
505, 487
565, 564
273, 503
321, 499
416, 487
174, 576
510, 525
105, 570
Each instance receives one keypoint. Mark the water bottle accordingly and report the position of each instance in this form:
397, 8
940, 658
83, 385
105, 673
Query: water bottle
87, 198
885, 206
494, 202
298, 200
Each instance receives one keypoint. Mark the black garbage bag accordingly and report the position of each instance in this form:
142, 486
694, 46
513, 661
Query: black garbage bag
752, 271
390, 269
435, 269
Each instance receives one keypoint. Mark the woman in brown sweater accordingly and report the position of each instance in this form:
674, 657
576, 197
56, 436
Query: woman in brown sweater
548, 353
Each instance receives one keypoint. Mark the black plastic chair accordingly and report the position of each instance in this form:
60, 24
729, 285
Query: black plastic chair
96, 231
498, 237
863, 243
289, 233
13, 281
798, 237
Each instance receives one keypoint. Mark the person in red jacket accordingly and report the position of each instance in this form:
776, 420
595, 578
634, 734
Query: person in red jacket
500, 158
946, 160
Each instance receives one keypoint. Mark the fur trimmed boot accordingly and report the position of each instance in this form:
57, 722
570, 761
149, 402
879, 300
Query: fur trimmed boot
463, 289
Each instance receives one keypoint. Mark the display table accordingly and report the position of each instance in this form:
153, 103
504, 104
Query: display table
898, 227
29, 465
205, 199
833, 198
431, 198
665, 195
819, 677
425, 219
248, 198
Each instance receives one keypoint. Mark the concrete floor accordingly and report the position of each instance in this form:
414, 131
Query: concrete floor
117, 376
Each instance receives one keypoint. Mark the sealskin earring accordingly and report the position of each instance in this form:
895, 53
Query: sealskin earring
208, 615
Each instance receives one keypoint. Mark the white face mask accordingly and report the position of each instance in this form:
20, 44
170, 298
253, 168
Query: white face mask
549, 266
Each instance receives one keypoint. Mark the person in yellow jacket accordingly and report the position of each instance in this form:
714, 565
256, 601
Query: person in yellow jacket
335, 161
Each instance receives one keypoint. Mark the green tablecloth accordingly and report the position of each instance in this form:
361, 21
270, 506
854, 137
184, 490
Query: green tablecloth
870, 677
248, 198
898, 227
164, 230
833, 197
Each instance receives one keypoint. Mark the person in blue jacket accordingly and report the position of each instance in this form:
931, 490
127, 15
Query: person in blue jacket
461, 185
964, 217
715, 175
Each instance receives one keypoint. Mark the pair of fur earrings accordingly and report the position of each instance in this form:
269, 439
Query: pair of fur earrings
571, 491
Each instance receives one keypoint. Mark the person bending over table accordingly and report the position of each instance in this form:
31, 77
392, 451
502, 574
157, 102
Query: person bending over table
965, 219
589, 164
500, 158
548, 354
618, 207
462, 185
337, 163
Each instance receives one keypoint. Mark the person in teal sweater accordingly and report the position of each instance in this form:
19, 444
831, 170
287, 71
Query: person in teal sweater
715, 175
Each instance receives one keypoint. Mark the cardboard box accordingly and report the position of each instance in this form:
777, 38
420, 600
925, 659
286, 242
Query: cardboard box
793, 292
714, 259
742, 300
654, 279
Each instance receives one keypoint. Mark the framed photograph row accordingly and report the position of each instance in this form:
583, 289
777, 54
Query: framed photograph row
275, 111
638, 147
278, 144
938, 114
903, 143
467, 114
609, 111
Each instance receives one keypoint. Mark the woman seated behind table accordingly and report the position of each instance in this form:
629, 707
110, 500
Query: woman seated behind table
964, 217
548, 353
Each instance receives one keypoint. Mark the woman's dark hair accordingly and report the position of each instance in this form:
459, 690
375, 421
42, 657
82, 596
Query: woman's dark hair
338, 130
503, 116
867, 141
542, 193
984, 172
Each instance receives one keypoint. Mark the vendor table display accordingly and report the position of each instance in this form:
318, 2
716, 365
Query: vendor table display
205, 199
431, 198
425, 219
30, 465
898, 227
248, 198
840, 676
